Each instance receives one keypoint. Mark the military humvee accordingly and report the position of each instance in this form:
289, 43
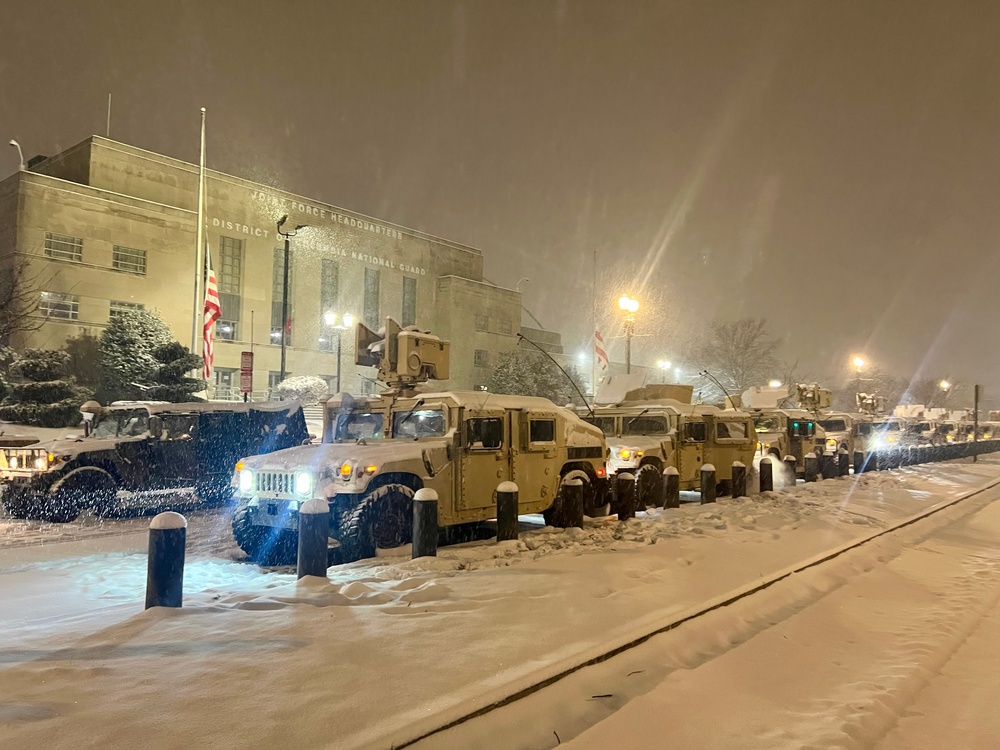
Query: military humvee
788, 432
378, 451
843, 429
144, 456
656, 426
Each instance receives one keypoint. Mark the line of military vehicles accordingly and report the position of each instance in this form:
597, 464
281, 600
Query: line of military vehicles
375, 452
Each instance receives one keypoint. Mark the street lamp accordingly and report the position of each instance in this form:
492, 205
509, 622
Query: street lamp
630, 307
859, 363
20, 155
774, 384
664, 365
347, 322
284, 290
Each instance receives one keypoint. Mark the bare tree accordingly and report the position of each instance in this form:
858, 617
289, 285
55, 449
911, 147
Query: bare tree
739, 354
19, 299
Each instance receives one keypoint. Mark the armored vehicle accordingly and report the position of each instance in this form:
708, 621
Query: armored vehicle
842, 429
144, 456
377, 452
881, 433
788, 432
656, 426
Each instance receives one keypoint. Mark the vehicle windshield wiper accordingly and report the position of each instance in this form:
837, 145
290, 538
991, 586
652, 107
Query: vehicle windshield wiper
409, 414
636, 417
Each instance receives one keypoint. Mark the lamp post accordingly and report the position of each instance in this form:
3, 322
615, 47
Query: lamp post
20, 155
630, 307
859, 364
665, 366
284, 289
347, 322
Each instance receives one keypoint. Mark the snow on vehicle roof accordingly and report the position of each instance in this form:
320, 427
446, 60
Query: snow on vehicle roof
165, 407
485, 400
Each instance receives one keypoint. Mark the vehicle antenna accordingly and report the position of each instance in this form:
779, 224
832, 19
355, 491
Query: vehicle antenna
710, 376
521, 337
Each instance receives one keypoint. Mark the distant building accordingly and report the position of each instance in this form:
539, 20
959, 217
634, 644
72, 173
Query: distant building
109, 227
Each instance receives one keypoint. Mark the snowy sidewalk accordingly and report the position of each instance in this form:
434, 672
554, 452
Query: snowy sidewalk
391, 649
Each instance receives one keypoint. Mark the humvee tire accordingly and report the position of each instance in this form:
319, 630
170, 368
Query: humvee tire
382, 520
264, 545
76, 494
16, 504
648, 487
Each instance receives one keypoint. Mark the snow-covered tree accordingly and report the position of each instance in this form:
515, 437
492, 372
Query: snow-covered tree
170, 380
739, 354
526, 373
45, 397
84, 353
307, 389
127, 347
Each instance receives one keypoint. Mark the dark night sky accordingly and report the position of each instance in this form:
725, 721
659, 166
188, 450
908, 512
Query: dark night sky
832, 166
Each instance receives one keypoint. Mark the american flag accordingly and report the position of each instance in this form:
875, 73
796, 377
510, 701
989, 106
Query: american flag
213, 311
599, 352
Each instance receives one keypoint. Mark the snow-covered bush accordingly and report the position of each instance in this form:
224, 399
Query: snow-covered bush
307, 389
126, 347
170, 379
524, 372
46, 398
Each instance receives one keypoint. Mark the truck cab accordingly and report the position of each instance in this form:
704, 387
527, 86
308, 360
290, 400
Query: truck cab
788, 432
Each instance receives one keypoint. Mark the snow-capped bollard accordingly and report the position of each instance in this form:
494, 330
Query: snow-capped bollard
911, 456
507, 527
314, 529
791, 470
831, 469
858, 461
739, 479
165, 563
573, 502
625, 484
843, 463
881, 459
811, 467
671, 487
425, 523
707, 484
766, 476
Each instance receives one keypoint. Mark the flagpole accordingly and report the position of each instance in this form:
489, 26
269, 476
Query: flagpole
593, 334
199, 262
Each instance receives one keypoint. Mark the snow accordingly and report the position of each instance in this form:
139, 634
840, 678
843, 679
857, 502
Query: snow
318, 505
507, 487
169, 520
391, 649
707, 467
671, 470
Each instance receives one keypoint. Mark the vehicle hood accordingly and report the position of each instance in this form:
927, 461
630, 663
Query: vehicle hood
769, 437
332, 455
75, 447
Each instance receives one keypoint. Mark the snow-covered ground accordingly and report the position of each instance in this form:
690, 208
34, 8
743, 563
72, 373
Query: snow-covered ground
390, 650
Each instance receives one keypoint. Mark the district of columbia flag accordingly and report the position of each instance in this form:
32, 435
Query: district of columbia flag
599, 352
213, 311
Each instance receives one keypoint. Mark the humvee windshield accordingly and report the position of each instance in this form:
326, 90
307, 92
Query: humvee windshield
767, 424
920, 427
833, 425
120, 424
888, 426
606, 424
418, 424
646, 426
359, 425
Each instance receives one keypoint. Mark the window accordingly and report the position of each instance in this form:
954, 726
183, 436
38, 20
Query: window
485, 433
119, 306
640, 425
63, 247
505, 326
356, 425
128, 259
542, 430
372, 309
225, 377
180, 426
277, 294
59, 306
409, 301
329, 301
835, 425
230, 288
730, 431
418, 424
482, 358
606, 424
482, 323
695, 432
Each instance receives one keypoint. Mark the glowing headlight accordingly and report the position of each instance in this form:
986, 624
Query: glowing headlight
13, 462
625, 453
246, 480
303, 483
891, 439
831, 443
345, 470
41, 464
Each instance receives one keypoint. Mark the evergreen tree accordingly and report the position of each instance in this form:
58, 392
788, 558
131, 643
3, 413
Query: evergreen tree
126, 349
527, 373
170, 378
45, 397
84, 353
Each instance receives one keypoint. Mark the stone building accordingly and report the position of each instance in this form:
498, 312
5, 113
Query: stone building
107, 227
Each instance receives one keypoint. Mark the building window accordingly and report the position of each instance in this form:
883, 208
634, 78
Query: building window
372, 310
119, 306
226, 382
128, 259
329, 303
409, 301
63, 247
59, 306
482, 358
505, 326
482, 323
277, 293
230, 288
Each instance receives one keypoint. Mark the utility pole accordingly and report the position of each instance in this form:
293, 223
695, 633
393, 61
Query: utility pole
284, 288
975, 422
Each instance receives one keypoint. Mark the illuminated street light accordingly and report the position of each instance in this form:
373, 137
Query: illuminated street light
944, 385
630, 307
859, 362
347, 322
20, 155
664, 365
774, 384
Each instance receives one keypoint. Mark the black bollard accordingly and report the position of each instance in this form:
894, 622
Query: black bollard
165, 563
843, 463
811, 466
507, 526
859, 461
881, 459
425, 523
314, 529
739, 479
626, 496
671, 488
573, 502
766, 476
911, 456
707, 484
831, 468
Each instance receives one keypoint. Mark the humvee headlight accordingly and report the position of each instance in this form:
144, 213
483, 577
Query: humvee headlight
239, 466
41, 464
13, 462
246, 480
891, 439
304, 483
371, 469
638, 454
625, 453
831, 443
345, 470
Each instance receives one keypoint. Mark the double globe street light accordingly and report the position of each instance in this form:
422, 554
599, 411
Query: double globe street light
630, 307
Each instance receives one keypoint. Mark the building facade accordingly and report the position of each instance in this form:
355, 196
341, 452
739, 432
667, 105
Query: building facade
107, 227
